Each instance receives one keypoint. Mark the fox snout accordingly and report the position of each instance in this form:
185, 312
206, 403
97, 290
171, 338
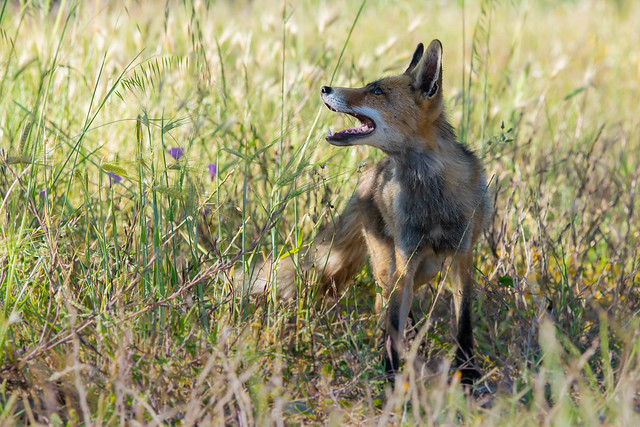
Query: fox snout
325, 93
345, 100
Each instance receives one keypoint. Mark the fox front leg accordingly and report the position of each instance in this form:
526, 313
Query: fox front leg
381, 252
463, 282
398, 310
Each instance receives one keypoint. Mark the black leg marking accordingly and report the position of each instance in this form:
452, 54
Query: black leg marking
464, 355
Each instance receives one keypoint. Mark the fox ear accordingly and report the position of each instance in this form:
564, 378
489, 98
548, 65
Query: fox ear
430, 74
417, 56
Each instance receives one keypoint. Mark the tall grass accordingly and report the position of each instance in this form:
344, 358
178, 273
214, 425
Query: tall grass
117, 250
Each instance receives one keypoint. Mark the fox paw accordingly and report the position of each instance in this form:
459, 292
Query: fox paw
469, 375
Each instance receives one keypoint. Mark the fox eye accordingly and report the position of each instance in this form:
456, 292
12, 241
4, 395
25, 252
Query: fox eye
376, 91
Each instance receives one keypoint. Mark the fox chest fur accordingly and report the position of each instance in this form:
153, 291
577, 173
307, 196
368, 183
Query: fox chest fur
413, 205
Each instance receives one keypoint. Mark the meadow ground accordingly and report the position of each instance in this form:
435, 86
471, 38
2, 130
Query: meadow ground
148, 149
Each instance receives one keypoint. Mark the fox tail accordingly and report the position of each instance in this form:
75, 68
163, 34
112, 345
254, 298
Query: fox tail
335, 256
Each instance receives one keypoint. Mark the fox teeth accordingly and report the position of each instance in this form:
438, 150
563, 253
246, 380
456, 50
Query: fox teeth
329, 131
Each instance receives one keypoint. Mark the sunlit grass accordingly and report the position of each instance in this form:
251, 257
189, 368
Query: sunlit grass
149, 150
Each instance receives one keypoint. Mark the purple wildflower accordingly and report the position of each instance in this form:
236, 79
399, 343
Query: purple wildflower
213, 168
175, 152
114, 177
207, 210
43, 193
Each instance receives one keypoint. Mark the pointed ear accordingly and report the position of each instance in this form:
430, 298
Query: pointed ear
417, 56
430, 75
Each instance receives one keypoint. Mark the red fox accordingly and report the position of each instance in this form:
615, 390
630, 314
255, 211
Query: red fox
425, 202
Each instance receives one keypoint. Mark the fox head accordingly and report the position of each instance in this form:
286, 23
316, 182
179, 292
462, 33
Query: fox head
396, 113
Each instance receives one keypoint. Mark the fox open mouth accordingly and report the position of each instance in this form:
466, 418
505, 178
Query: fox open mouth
366, 127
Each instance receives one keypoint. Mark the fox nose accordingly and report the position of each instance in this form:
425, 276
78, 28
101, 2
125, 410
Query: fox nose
326, 90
